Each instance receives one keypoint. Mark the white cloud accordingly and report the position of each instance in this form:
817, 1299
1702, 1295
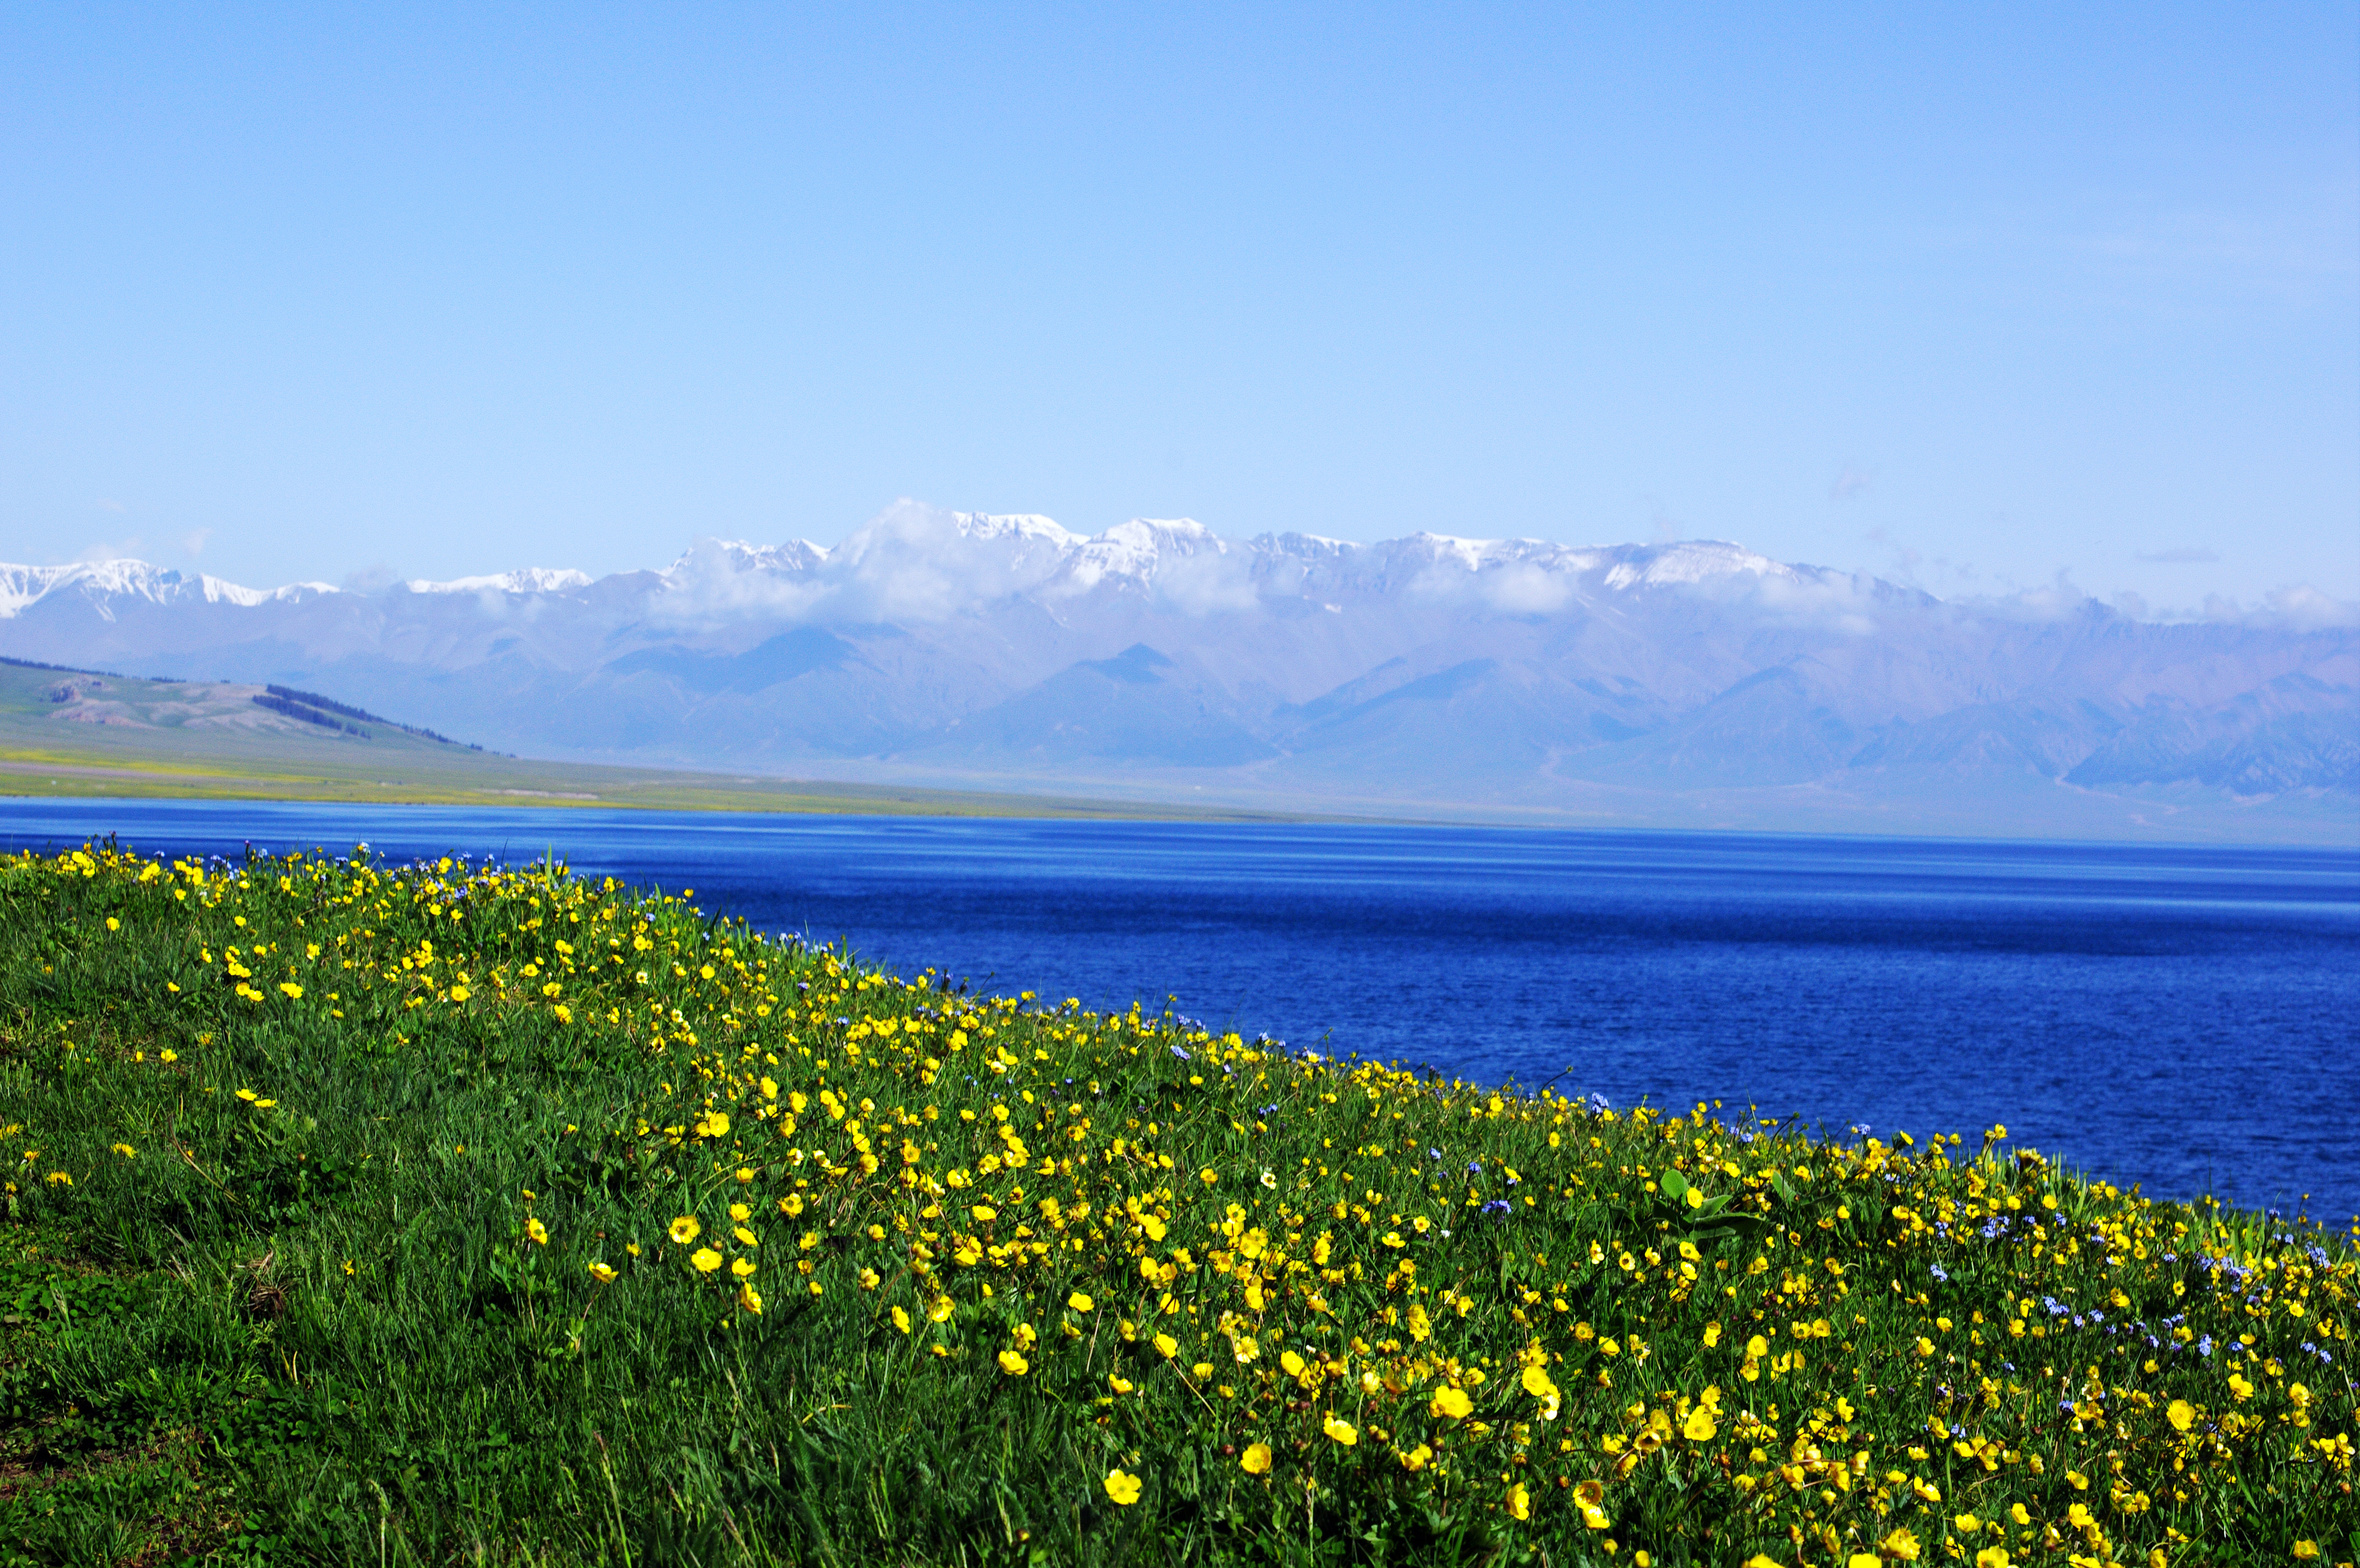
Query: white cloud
918, 562
1205, 582
2303, 608
1524, 589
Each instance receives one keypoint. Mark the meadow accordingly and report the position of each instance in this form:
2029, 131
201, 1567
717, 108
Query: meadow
122, 737
428, 1212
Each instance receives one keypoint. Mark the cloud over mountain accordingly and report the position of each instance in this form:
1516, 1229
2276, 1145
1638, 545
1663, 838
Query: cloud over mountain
1676, 682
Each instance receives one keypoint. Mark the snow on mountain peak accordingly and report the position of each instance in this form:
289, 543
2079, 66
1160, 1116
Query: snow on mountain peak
526, 579
1692, 561
1131, 553
104, 582
1014, 525
915, 563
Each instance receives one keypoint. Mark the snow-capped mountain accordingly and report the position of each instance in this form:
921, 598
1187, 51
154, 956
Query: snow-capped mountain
102, 584
1691, 681
530, 579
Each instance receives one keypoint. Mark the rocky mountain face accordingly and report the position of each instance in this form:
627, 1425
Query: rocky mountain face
1694, 683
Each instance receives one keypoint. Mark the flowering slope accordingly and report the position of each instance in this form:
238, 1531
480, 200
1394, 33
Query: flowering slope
569, 1223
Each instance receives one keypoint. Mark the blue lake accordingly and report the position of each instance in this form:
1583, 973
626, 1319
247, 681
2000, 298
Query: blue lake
2184, 1018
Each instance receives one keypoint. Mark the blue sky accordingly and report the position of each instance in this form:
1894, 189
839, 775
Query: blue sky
1968, 296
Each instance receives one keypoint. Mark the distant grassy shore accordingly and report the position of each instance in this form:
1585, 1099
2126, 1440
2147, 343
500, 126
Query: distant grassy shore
101, 736
432, 1213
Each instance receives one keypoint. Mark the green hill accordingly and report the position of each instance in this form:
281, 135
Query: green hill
93, 733
364, 1212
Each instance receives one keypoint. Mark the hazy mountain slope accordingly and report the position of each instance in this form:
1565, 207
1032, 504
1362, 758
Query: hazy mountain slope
1641, 680
101, 736
1139, 706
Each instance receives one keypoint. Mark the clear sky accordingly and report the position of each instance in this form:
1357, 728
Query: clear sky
1966, 295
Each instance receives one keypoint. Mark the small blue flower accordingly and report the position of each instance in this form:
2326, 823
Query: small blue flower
1474, 1167
1498, 1208
1937, 1271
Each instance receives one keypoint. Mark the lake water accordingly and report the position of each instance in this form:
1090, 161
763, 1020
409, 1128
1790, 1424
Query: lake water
2184, 1018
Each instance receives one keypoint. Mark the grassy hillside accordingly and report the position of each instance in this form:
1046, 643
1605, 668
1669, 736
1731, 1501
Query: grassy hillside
66, 732
428, 1213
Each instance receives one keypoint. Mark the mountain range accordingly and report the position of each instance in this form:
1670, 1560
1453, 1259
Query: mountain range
1677, 684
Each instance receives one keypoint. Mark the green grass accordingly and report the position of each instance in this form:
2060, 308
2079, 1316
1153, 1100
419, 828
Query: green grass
340, 1229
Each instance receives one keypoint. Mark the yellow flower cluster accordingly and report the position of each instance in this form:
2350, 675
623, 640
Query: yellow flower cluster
1632, 1326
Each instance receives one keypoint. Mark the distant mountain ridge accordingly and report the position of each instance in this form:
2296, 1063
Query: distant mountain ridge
1689, 682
